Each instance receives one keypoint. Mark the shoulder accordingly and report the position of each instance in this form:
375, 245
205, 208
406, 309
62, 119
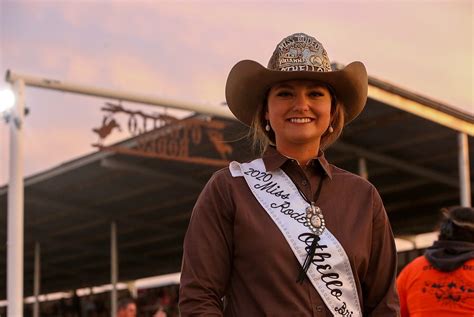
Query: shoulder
342, 174
411, 274
216, 197
362, 193
353, 181
223, 182
220, 179
221, 175
416, 266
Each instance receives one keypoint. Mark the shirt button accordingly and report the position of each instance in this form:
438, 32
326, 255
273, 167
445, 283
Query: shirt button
319, 308
304, 183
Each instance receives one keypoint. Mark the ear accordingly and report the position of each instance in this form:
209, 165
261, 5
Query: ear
266, 115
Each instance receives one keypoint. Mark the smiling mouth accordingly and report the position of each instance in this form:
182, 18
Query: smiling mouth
300, 120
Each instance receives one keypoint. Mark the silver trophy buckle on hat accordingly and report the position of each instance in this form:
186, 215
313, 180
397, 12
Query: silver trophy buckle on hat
300, 52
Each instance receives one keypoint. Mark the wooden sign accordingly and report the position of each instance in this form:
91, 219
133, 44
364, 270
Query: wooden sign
165, 137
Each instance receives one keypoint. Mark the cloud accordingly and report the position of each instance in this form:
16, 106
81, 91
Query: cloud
132, 74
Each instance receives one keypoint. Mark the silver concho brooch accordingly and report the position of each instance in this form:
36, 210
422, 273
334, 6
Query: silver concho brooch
315, 219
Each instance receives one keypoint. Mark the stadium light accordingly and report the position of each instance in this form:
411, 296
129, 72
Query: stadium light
7, 100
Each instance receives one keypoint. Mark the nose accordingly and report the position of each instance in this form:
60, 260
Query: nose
301, 102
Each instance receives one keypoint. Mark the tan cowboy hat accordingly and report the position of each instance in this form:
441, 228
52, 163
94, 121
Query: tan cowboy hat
298, 56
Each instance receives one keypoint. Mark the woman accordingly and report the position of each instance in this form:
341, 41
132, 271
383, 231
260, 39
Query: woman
290, 234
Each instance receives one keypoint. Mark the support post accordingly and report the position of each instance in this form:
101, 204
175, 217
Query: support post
363, 168
15, 225
464, 177
37, 279
113, 269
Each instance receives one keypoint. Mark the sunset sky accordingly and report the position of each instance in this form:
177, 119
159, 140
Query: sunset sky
183, 50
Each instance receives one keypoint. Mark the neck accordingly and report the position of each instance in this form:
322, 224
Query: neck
302, 153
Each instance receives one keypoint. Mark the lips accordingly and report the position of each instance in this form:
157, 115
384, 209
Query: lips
300, 120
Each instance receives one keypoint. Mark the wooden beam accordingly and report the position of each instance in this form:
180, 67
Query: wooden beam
421, 110
436, 135
397, 163
398, 187
117, 164
129, 193
153, 239
391, 207
185, 199
375, 122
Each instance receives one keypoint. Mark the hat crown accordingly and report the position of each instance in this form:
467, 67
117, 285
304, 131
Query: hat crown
300, 52
460, 216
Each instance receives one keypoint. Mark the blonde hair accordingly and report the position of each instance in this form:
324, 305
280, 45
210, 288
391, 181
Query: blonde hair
261, 139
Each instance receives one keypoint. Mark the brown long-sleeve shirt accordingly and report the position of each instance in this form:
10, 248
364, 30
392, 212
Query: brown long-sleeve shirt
233, 248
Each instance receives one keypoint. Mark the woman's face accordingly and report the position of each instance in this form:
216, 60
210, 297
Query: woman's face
299, 112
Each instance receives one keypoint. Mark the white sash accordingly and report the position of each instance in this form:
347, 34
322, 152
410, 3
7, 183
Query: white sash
330, 271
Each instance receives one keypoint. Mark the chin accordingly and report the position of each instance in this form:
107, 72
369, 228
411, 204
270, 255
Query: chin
305, 138
301, 140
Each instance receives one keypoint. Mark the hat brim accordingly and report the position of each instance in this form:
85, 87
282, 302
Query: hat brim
248, 82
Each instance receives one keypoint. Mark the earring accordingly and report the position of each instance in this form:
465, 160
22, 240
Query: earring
331, 130
267, 127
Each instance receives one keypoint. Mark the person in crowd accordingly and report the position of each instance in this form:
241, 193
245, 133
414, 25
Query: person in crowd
127, 307
441, 282
290, 234
160, 312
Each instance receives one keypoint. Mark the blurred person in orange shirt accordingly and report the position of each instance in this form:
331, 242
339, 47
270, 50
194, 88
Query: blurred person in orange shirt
441, 282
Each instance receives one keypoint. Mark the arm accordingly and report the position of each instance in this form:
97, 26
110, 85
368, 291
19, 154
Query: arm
380, 294
207, 254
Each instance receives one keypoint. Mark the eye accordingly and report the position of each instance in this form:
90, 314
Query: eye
316, 93
284, 93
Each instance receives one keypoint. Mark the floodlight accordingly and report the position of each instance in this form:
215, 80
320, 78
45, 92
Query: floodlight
7, 100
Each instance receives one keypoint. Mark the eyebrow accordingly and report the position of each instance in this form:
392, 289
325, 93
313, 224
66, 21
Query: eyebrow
310, 85
282, 86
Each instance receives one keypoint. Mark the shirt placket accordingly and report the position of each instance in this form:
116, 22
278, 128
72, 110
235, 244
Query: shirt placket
304, 184
317, 305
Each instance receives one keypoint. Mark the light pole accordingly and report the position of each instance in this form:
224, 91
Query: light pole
14, 112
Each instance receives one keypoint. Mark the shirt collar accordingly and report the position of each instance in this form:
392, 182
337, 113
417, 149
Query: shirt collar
274, 159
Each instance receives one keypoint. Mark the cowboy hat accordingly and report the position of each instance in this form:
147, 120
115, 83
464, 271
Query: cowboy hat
298, 56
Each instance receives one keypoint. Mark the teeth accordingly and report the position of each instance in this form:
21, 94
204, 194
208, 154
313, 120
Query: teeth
300, 120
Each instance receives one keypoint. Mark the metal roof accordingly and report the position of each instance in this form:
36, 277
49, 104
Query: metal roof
412, 161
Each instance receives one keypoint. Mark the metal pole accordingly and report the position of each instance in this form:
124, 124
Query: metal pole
113, 269
363, 168
222, 111
464, 177
15, 206
37, 279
